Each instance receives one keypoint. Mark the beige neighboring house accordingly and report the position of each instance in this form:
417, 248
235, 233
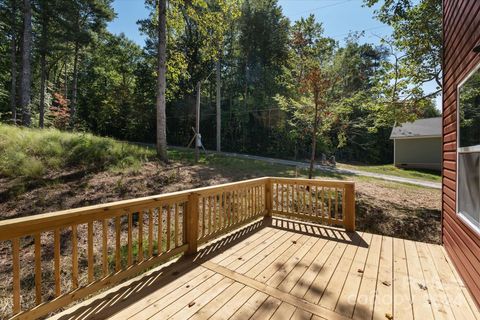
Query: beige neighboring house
418, 144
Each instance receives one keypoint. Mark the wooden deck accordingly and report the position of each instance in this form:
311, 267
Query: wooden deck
283, 269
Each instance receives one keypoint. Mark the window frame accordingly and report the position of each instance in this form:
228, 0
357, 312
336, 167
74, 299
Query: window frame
459, 150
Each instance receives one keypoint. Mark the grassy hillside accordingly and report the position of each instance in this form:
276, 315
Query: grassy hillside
32, 153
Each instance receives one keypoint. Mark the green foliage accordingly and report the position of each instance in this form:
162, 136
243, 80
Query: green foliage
265, 59
32, 153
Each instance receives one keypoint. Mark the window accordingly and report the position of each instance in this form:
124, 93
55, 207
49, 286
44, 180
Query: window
468, 155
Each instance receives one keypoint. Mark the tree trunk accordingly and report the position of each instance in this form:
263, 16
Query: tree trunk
43, 67
26, 75
73, 105
13, 64
219, 109
314, 142
161, 81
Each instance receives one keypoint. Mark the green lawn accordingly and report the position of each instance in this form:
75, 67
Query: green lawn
391, 170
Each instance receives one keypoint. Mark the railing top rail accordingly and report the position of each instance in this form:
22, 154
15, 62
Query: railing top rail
16, 227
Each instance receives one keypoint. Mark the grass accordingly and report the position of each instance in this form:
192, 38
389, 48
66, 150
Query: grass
31, 153
427, 175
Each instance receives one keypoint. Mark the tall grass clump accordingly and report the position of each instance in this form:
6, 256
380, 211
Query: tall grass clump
31, 153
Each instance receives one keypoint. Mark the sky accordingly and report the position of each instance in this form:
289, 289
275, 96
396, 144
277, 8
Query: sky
339, 18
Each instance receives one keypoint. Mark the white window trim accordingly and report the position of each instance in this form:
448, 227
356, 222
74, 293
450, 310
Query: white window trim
472, 149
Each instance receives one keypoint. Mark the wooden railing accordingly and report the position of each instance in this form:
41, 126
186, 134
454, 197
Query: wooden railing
324, 202
56, 258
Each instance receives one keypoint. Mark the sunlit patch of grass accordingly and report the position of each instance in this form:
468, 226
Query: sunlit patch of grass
30, 153
388, 169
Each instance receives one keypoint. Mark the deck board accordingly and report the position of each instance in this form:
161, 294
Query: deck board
292, 270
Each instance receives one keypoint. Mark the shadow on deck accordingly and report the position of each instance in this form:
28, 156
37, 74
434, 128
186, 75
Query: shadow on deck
281, 269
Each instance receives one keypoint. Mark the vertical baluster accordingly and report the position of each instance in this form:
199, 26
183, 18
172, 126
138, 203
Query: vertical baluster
160, 231
203, 217
150, 232
282, 206
329, 206
177, 231
237, 206
140, 235
304, 201
257, 207
249, 202
254, 200
232, 208
220, 216
323, 205
56, 263
310, 197
184, 222
290, 198
229, 208
168, 227
215, 218
234, 218
209, 214
336, 203
118, 265
275, 196
38, 270
90, 251
105, 247
130, 239
246, 203
316, 200
16, 274
344, 190
74, 258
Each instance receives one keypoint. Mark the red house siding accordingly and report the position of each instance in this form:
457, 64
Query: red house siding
461, 33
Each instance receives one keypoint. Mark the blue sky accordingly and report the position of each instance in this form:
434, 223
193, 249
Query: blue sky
339, 17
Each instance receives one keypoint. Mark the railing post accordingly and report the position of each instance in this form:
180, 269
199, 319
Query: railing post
192, 223
268, 197
349, 218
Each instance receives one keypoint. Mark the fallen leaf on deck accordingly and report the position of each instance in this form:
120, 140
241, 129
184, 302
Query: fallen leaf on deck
191, 304
388, 316
386, 283
360, 271
423, 287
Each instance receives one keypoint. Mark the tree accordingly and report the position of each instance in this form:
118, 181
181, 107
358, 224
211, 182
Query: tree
13, 60
417, 33
26, 74
85, 18
316, 83
309, 107
161, 81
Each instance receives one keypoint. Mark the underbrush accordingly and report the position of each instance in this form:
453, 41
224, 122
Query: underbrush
31, 153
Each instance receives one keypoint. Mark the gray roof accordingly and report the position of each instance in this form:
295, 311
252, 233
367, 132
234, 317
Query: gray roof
431, 127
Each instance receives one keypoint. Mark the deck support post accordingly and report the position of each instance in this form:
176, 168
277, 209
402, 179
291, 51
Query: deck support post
349, 218
192, 223
268, 198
